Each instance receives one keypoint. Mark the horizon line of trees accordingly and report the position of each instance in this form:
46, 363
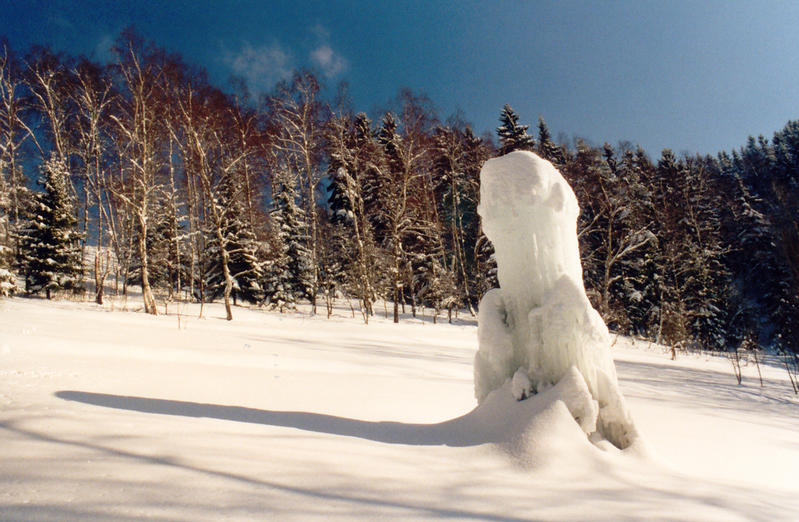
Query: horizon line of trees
195, 193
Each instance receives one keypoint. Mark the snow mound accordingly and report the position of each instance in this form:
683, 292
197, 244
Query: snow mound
539, 329
538, 431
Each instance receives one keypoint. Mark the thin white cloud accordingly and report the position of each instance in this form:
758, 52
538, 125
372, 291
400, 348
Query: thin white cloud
103, 50
261, 67
329, 62
62, 22
320, 32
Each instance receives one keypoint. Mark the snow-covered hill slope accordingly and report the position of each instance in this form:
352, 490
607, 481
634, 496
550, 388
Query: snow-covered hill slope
118, 415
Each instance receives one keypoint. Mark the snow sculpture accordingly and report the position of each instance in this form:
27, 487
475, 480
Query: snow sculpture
539, 328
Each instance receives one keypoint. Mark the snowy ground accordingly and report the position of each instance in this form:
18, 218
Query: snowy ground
118, 415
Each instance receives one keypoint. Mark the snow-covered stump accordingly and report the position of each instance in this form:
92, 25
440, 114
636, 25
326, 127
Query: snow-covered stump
539, 330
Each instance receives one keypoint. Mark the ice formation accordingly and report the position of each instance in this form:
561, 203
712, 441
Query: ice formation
539, 328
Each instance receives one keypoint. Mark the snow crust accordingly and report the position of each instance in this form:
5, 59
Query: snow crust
539, 328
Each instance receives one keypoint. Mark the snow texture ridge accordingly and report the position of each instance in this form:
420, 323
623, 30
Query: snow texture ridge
539, 329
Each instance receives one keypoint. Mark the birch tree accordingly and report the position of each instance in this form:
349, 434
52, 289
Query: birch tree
13, 133
299, 119
213, 161
138, 126
354, 154
92, 95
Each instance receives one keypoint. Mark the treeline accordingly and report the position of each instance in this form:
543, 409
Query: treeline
195, 193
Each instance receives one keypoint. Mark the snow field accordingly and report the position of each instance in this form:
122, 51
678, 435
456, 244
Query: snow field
120, 415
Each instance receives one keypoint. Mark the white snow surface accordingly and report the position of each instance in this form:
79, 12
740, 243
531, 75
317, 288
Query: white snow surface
539, 324
108, 414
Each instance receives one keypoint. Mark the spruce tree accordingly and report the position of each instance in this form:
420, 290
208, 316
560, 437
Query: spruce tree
695, 284
244, 257
764, 307
486, 264
638, 286
7, 278
616, 236
452, 195
50, 242
785, 173
672, 314
245, 264
513, 136
355, 157
709, 282
546, 148
160, 242
6, 237
288, 276
751, 258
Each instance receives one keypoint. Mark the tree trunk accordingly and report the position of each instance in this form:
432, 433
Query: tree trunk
99, 277
396, 279
147, 293
99, 282
225, 271
396, 305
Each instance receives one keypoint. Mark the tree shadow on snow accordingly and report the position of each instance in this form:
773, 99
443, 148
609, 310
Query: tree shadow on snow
359, 501
458, 432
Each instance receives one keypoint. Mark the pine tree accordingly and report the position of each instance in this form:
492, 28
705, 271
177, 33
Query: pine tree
298, 143
583, 173
513, 136
762, 229
695, 283
243, 248
435, 284
6, 240
616, 237
50, 242
7, 278
246, 266
159, 242
546, 148
785, 173
477, 152
637, 290
672, 322
355, 162
393, 184
450, 157
751, 259
709, 282
486, 264
289, 275
13, 134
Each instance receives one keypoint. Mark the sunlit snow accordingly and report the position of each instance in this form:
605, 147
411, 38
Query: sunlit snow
109, 414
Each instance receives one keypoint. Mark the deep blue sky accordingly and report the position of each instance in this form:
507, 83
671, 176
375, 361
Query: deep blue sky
693, 76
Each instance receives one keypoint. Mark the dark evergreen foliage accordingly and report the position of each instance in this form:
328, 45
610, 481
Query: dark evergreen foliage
513, 136
546, 148
50, 243
245, 261
288, 274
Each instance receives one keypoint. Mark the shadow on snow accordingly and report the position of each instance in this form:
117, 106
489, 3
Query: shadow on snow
455, 432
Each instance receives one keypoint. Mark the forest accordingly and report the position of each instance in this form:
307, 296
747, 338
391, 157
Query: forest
145, 170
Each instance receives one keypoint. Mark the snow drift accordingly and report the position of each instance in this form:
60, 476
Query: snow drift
539, 329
